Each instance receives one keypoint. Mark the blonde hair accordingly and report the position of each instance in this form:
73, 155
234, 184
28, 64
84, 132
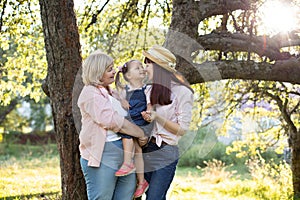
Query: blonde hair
94, 67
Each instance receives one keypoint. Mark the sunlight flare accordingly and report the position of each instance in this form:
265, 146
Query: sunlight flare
278, 17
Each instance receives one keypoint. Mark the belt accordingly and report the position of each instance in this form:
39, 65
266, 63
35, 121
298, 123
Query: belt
153, 140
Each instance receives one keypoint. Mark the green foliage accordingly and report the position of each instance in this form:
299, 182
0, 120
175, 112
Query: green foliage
268, 181
216, 171
39, 117
23, 63
29, 116
264, 113
205, 147
122, 29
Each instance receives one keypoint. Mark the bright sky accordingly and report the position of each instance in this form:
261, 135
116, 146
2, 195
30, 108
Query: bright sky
278, 16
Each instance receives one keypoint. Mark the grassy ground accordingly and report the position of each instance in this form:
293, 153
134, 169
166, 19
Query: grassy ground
32, 172
29, 172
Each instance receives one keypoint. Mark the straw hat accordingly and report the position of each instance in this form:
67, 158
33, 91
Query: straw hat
162, 56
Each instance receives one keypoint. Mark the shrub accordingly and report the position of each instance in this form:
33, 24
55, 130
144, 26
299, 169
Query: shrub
216, 171
268, 181
205, 146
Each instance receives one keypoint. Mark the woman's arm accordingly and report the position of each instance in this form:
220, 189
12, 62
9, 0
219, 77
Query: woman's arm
170, 126
131, 129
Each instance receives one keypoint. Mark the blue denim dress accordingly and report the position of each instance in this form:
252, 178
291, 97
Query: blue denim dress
138, 103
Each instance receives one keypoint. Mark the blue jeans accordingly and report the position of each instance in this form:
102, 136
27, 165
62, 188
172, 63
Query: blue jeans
160, 166
101, 182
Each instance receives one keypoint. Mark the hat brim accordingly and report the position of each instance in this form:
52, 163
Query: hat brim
164, 65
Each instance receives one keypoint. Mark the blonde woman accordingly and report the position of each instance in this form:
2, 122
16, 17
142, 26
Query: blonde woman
100, 146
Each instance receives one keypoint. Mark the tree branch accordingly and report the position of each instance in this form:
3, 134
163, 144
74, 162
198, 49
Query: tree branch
94, 16
2, 14
282, 107
262, 45
283, 71
7, 109
220, 7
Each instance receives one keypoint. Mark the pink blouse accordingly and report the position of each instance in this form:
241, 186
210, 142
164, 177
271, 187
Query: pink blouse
179, 111
98, 116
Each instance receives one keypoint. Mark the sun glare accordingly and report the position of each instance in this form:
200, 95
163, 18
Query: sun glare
278, 17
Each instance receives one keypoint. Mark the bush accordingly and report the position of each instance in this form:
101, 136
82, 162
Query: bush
14, 137
268, 181
205, 147
216, 171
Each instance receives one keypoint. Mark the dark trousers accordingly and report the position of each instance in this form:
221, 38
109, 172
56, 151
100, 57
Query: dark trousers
160, 165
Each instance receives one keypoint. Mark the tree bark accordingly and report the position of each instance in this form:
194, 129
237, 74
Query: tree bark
64, 60
4, 111
295, 162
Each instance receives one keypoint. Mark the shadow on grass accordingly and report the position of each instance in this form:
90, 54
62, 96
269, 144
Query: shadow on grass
42, 196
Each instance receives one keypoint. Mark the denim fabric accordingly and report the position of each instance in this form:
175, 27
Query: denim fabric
102, 184
123, 135
160, 167
138, 103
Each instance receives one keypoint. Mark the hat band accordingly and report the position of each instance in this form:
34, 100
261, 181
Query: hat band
157, 56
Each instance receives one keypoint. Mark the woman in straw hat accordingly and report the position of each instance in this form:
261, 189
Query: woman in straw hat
101, 148
171, 98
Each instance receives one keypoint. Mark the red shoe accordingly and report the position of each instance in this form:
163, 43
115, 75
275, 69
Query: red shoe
125, 170
141, 189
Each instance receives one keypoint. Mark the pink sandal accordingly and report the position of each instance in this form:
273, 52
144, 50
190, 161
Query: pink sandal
125, 169
141, 189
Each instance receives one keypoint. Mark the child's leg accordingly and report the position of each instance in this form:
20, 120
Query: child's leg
128, 147
128, 165
139, 162
142, 185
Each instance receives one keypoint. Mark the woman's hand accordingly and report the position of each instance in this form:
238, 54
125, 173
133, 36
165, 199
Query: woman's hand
149, 115
170, 126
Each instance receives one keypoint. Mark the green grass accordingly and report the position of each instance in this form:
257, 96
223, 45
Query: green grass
32, 172
29, 172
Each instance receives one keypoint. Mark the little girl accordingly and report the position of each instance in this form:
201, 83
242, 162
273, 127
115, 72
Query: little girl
133, 99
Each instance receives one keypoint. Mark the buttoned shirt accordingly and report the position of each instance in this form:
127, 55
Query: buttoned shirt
98, 116
179, 111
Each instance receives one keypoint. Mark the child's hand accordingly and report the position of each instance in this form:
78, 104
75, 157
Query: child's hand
125, 104
149, 116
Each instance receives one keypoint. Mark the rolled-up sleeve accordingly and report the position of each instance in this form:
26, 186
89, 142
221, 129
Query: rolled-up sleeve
147, 92
184, 107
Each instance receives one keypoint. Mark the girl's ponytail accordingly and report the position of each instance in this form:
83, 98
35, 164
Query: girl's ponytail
118, 83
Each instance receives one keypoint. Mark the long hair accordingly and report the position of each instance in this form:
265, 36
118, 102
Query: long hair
161, 86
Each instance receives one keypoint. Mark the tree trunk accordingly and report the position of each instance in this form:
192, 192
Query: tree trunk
295, 162
64, 60
4, 111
